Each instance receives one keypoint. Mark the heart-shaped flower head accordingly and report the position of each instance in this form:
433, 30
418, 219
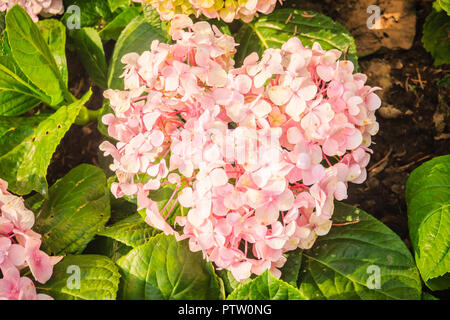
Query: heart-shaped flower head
254, 156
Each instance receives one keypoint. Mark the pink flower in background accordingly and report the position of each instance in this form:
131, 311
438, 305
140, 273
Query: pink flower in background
19, 248
225, 10
255, 156
35, 7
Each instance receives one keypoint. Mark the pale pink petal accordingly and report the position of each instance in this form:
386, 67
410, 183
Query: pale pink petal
279, 94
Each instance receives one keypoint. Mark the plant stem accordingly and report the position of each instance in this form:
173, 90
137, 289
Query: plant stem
86, 115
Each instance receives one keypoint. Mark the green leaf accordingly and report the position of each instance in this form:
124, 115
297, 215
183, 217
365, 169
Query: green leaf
427, 296
291, 269
107, 247
166, 269
428, 203
271, 31
266, 287
132, 231
92, 13
13, 130
442, 4
90, 49
114, 28
99, 279
77, 209
25, 165
344, 264
435, 37
119, 4
54, 34
445, 81
136, 37
230, 283
32, 54
17, 94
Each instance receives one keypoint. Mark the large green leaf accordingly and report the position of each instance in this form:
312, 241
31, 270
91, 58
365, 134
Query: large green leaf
113, 29
32, 54
136, 37
344, 264
99, 279
166, 269
132, 231
428, 202
13, 130
90, 50
25, 165
77, 209
271, 31
54, 34
17, 94
291, 269
266, 287
435, 37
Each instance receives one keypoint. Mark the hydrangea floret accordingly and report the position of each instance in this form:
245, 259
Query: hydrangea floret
20, 248
35, 7
256, 155
227, 10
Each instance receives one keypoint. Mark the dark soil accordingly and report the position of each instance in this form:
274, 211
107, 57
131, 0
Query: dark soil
403, 143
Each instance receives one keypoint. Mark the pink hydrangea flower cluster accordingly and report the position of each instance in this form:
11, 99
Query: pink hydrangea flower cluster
35, 7
227, 10
256, 155
19, 248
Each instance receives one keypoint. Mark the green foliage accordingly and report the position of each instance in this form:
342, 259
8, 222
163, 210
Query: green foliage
166, 269
99, 279
428, 202
17, 94
445, 81
341, 264
230, 283
271, 31
25, 164
266, 287
77, 209
92, 13
90, 49
442, 5
115, 5
13, 130
291, 269
427, 296
435, 37
113, 29
33, 56
132, 231
54, 34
